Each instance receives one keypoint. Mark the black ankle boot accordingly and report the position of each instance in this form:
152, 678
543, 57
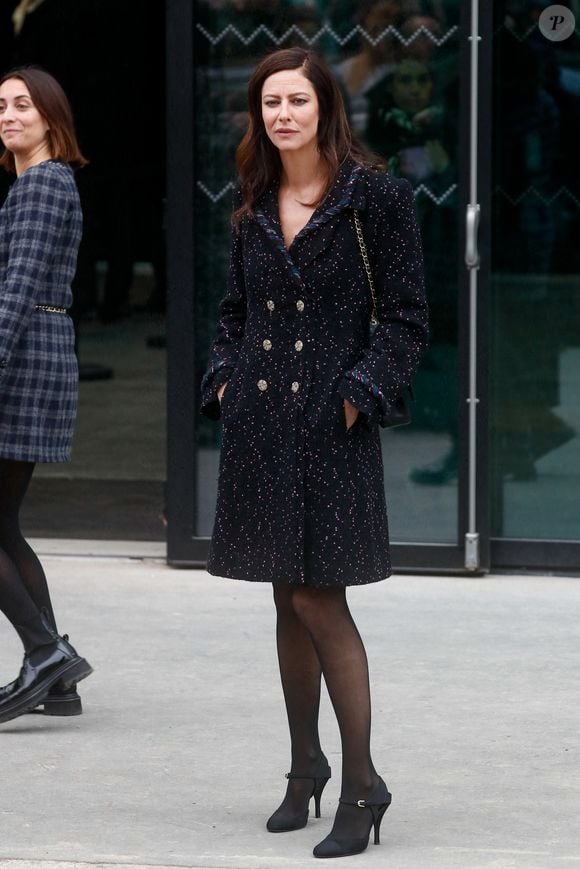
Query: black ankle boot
48, 662
60, 700
283, 821
347, 843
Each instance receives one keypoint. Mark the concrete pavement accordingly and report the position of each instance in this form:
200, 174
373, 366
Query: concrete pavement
180, 755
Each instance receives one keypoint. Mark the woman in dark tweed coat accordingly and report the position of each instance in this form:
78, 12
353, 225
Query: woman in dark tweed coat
301, 388
40, 230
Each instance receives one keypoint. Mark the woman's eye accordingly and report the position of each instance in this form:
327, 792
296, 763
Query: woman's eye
299, 101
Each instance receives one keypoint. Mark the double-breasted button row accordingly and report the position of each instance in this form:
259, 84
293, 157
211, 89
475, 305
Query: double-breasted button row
267, 345
263, 386
271, 305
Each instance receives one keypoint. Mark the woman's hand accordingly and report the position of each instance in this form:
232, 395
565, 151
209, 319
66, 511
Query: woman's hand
350, 414
221, 391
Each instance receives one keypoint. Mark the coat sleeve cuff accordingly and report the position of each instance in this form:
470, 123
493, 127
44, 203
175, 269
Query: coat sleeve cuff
360, 397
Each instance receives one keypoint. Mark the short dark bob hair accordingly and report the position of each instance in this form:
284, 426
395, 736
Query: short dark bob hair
52, 103
258, 160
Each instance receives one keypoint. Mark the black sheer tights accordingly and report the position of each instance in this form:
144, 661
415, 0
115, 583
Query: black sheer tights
316, 635
23, 587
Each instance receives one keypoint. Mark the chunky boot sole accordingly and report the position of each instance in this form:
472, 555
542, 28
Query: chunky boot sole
69, 672
64, 704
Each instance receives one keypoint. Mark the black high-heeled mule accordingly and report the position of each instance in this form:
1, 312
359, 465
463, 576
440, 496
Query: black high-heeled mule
331, 847
283, 822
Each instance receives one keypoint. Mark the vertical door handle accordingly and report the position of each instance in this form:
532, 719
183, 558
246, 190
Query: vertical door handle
471, 237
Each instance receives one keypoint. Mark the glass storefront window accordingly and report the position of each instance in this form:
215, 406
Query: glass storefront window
535, 363
397, 64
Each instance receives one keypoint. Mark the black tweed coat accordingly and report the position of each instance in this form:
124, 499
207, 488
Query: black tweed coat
301, 499
40, 231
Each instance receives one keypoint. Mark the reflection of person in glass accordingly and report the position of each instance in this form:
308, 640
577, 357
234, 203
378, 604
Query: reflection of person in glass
409, 126
40, 230
377, 55
405, 125
527, 318
303, 388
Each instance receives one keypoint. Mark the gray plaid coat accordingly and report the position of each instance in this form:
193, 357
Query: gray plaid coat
40, 231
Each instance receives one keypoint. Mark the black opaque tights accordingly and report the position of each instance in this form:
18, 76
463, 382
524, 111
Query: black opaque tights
316, 635
23, 587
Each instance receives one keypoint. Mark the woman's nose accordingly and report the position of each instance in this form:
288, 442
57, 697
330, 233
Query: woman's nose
284, 111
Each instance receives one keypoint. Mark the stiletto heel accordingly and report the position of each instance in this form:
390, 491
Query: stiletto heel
378, 815
283, 822
334, 847
320, 784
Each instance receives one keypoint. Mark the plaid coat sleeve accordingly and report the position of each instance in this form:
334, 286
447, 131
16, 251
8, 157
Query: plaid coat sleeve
38, 207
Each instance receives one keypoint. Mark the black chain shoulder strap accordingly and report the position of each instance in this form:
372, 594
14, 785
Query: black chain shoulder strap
365, 258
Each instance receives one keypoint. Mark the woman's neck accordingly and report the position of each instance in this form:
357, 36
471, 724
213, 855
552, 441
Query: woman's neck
22, 162
302, 172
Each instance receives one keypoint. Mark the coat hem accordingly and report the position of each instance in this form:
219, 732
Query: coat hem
296, 583
19, 456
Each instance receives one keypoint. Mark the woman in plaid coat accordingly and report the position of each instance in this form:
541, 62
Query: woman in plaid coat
40, 230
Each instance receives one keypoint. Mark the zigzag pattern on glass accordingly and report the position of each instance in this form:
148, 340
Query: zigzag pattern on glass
533, 191
438, 200
327, 29
522, 37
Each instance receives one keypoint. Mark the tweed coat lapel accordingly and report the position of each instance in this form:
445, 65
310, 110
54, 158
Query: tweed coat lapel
316, 235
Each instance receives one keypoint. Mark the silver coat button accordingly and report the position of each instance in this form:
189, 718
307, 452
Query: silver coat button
267, 344
295, 386
298, 346
300, 305
270, 305
262, 385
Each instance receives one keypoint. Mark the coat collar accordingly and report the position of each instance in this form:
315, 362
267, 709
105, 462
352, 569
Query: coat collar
316, 235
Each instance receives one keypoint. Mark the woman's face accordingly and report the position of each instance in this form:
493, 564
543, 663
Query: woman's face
412, 86
290, 111
22, 128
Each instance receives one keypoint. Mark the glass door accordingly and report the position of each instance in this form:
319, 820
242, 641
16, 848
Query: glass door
535, 285
404, 67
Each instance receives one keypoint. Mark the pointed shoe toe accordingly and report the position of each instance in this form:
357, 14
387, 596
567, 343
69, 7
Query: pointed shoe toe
281, 822
330, 847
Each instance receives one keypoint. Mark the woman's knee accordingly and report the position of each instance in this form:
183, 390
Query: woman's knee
283, 598
313, 605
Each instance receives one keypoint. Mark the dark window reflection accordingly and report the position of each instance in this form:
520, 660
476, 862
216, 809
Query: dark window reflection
536, 225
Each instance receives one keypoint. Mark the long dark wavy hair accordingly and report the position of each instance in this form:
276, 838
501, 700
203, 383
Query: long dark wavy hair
258, 160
